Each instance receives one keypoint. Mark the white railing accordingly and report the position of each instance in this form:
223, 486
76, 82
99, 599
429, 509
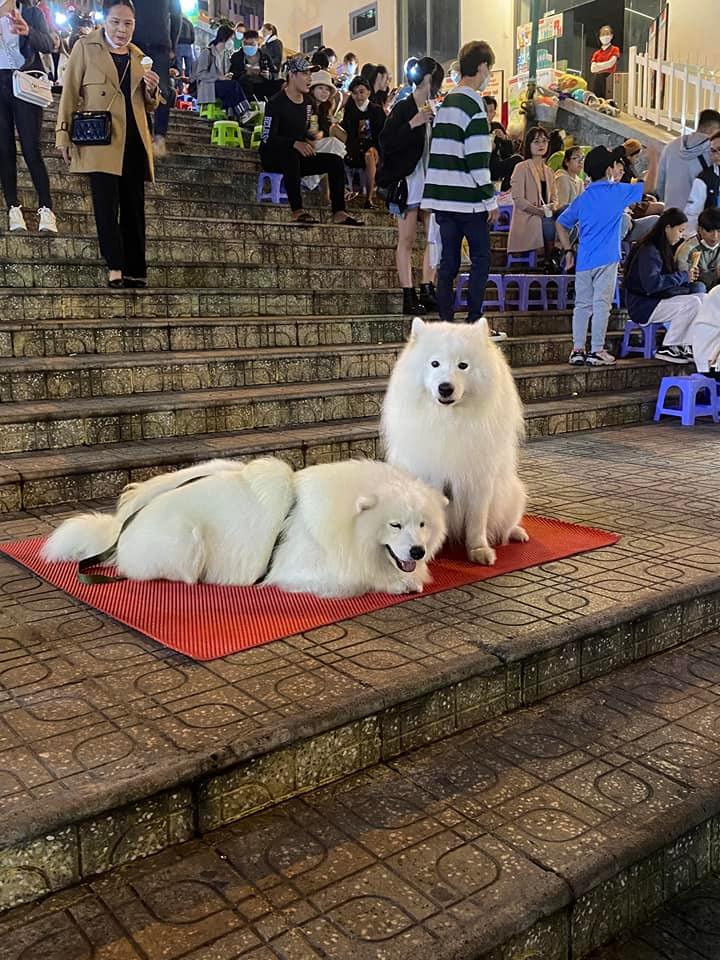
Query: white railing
670, 95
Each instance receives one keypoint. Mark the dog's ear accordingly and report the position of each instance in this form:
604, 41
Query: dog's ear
365, 503
417, 328
445, 502
481, 326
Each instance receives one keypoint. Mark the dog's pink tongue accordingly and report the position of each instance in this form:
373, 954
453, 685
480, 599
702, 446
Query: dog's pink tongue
408, 565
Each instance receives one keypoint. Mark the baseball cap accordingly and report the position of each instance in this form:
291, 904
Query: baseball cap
299, 64
599, 159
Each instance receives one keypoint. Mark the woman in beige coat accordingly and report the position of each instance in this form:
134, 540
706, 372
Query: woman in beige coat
106, 72
534, 198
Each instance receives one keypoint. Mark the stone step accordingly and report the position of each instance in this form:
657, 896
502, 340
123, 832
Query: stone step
97, 375
56, 424
46, 338
32, 304
197, 145
57, 475
541, 834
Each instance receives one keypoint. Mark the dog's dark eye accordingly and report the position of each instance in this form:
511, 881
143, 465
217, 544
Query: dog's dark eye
422, 523
398, 526
435, 363
462, 365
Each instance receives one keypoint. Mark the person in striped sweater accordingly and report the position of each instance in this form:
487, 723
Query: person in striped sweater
458, 188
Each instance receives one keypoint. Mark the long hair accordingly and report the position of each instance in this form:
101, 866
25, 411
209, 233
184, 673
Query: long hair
672, 217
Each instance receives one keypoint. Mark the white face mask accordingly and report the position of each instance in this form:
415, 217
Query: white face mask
484, 84
708, 246
606, 39
362, 107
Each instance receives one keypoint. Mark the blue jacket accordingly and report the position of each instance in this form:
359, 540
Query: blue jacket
38, 39
647, 283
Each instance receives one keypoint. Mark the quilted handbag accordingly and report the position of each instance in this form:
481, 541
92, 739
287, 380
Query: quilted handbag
91, 128
32, 86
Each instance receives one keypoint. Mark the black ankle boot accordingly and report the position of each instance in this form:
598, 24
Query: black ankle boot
428, 297
411, 305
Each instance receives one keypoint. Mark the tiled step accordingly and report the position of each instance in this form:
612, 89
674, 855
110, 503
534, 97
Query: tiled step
32, 304
56, 424
97, 375
55, 474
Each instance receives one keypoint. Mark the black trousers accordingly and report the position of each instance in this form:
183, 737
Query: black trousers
119, 204
294, 167
26, 118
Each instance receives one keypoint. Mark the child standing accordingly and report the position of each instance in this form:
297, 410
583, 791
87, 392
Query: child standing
597, 213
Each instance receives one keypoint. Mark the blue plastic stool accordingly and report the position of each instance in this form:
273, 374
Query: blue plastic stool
690, 388
528, 260
461, 292
502, 224
648, 339
532, 290
276, 188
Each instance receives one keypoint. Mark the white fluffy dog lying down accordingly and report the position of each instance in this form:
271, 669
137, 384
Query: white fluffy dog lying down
337, 529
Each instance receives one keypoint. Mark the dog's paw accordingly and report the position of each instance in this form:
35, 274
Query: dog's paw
484, 555
519, 534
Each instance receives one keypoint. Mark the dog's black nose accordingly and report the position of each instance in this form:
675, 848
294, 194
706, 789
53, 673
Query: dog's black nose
446, 389
417, 553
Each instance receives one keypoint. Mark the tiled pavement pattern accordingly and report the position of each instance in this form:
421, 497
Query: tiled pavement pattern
539, 835
687, 929
94, 718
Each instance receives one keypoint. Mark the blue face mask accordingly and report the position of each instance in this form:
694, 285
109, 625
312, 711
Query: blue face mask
239, 34
250, 51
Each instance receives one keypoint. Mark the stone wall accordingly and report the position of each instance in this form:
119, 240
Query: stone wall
588, 126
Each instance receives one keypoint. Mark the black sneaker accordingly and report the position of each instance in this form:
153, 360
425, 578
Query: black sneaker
671, 355
577, 358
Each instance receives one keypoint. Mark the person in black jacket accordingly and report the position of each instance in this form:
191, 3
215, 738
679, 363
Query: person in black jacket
272, 46
363, 122
23, 37
156, 33
252, 67
403, 145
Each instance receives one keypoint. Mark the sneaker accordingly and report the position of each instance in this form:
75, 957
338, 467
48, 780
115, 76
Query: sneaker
48, 221
497, 335
577, 358
159, 148
600, 358
671, 355
688, 353
16, 220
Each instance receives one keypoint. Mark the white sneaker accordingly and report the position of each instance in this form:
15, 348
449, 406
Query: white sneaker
48, 221
17, 220
600, 358
497, 335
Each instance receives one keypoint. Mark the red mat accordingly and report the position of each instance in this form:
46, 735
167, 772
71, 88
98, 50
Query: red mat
205, 622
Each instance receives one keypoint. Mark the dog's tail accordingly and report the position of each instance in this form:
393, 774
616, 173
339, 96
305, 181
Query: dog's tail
80, 537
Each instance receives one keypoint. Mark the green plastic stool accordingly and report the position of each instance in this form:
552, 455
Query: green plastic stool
256, 138
212, 111
226, 133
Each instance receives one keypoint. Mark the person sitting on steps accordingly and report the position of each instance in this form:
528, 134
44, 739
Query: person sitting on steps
287, 147
363, 122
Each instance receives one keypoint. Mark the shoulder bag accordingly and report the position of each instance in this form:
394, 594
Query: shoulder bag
93, 128
30, 86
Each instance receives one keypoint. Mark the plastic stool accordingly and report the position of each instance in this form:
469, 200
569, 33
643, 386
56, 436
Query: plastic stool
276, 192
212, 111
256, 138
648, 339
565, 285
528, 260
226, 133
461, 292
502, 224
689, 387
184, 105
532, 290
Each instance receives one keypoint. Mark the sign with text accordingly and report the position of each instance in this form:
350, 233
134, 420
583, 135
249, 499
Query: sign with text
550, 27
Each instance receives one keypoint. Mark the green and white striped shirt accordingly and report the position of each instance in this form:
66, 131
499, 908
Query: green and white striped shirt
458, 175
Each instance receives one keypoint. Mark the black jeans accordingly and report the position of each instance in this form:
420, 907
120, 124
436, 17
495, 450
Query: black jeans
294, 167
26, 118
453, 228
119, 205
161, 66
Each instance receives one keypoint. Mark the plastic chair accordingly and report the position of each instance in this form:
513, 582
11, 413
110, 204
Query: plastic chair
226, 133
212, 111
495, 279
184, 105
528, 260
256, 138
502, 224
532, 290
690, 388
271, 187
648, 339
556, 160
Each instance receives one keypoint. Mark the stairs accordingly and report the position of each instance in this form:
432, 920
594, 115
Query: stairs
302, 800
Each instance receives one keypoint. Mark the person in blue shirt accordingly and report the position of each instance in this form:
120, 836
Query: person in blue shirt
598, 214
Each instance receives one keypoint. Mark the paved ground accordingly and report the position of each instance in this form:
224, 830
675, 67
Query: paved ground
687, 929
85, 703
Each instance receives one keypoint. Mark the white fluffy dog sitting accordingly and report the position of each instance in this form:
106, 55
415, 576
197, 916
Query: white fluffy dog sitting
338, 529
452, 416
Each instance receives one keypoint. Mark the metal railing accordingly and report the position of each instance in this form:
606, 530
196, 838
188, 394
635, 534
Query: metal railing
670, 95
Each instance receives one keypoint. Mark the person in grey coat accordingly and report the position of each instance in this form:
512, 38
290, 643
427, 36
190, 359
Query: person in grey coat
214, 64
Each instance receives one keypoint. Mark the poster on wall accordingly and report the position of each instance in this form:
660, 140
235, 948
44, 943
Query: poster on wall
550, 27
496, 86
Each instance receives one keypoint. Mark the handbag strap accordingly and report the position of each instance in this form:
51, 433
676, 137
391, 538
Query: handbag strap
122, 80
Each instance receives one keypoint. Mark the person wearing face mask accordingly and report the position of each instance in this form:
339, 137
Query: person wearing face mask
236, 42
254, 69
604, 62
703, 250
458, 188
213, 64
404, 146
362, 122
272, 46
346, 71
